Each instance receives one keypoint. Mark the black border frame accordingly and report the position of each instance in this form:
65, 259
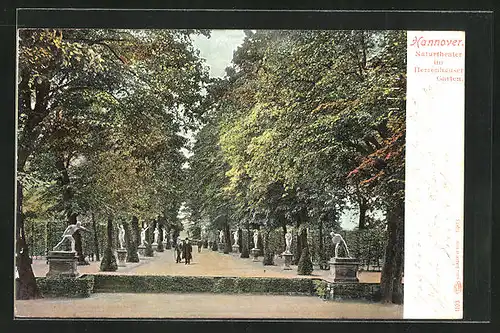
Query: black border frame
478, 132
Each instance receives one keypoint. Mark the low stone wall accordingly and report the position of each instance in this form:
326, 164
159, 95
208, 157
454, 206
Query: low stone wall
81, 286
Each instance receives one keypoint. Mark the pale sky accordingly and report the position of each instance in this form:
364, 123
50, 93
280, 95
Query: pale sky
218, 49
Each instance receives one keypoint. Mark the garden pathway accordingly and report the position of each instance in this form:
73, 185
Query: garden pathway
202, 305
206, 263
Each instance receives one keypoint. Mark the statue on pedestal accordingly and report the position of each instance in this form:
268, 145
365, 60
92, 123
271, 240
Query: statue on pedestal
156, 234
337, 240
236, 237
288, 242
121, 235
164, 235
68, 234
143, 236
221, 236
255, 238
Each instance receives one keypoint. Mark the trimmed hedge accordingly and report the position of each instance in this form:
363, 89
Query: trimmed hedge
65, 286
191, 284
85, 285
339, 291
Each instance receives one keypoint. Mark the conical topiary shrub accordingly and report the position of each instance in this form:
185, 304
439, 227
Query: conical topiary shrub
148, 252
305, 266
245, 251
268, 259
108, 262
132, 255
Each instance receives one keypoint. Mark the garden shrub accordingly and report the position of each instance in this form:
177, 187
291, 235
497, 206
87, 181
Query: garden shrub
305, 266
129, 283
66, 286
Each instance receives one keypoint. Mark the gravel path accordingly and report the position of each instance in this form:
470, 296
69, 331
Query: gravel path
206, 263
202, 305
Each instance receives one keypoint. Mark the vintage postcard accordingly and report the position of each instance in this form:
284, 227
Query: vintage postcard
231, 173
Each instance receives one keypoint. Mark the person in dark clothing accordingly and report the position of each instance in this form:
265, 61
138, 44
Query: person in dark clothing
178, 250
187, 251
200, 245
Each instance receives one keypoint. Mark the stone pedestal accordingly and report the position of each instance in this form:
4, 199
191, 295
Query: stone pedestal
255, 254
236, 248
344, 269
288, 260
221, 247
142, 250
121, 254
164, 245
62, 264
154, 246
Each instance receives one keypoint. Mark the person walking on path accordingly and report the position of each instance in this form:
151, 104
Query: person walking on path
187, 251
178, 250
200, 245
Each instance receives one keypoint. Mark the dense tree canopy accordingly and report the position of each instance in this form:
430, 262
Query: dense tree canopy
100, 123
303, 125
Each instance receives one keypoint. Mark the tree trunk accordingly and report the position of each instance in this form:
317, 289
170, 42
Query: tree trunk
391, 287
130, 244
160, 237
227, 238
301, 218
26, 287
284, 235
304, 266
323, 260
67, 197
268, 259
245, 243
148, 252
168, 245
136, 231
260, 242
96, 238
108, 263
298, 244
363, 207
240, 239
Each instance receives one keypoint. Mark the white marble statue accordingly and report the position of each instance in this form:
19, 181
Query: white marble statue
156, 234
164, 235
68, 234
236, 237
221, 236
337, 240
143, 236
121, 236
255, 237
288, 242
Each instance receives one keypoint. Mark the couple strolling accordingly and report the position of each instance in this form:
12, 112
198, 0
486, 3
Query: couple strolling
184, 251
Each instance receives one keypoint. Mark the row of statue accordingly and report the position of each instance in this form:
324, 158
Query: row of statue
72, 228
337, 240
